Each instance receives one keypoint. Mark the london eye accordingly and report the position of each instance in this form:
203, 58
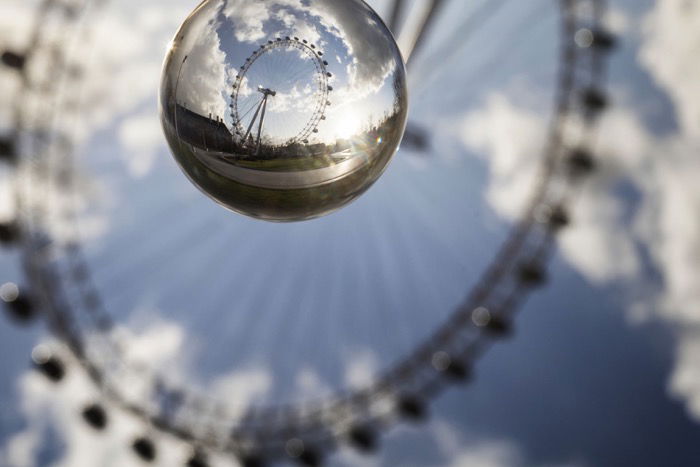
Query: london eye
283, 87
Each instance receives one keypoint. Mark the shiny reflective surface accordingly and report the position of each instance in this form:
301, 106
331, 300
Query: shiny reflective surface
283, 110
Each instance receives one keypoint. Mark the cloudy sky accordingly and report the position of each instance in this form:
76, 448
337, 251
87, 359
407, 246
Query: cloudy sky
604, 367
221, 37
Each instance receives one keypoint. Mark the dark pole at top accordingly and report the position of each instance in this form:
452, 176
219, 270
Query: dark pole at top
396, 13
425, 26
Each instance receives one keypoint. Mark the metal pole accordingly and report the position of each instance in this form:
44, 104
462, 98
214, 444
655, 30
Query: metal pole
177, 83
426, 23
260, 126
396, 12
252, 122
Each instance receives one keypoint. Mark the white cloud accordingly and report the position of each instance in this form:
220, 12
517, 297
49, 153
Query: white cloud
511, 140
454, 448
309, 384
248, 19
8, 208
158, 344
361, 369
122, 74
241, 388
685, 381
669, 223
670, 50
56, 199
141, 137
645, 198
601, 244
617, 21
20, 450
465, 452
56, 408
488, 454
13, 37
203, 76
599, 253
163, 346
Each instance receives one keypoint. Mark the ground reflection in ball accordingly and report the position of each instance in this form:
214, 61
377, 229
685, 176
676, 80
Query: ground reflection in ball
283, 110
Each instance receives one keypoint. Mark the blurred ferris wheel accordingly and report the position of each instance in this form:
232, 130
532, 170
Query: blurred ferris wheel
389, 275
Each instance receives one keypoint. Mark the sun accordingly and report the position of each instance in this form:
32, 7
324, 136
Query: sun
346, 124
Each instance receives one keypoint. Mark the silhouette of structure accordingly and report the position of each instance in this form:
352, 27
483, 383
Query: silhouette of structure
204, 132
260, 110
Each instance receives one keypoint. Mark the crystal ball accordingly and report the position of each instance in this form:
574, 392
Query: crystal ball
283, 110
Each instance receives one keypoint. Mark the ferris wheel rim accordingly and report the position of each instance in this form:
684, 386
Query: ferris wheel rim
383, 386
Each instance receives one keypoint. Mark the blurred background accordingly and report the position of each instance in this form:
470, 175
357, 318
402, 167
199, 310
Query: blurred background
603, 366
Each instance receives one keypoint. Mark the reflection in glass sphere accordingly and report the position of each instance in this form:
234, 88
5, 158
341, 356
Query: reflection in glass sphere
281, 109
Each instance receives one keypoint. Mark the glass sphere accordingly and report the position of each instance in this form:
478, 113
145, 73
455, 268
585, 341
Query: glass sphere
283, 110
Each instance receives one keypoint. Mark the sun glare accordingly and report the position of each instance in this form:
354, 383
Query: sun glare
346, 124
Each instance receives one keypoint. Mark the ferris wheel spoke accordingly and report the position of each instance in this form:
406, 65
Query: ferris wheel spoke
164, 209
175, 287
492, 66
478, 18
214, 254
359, 322
422, 269
300, 72
285, 305
103, 165
287, 63
152, 254
420, 195
375, 316
252, 106
398, 265
355, 290
397, 11
253, 335
508, 44
272, 313
251, 288
415, 42
298, 321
